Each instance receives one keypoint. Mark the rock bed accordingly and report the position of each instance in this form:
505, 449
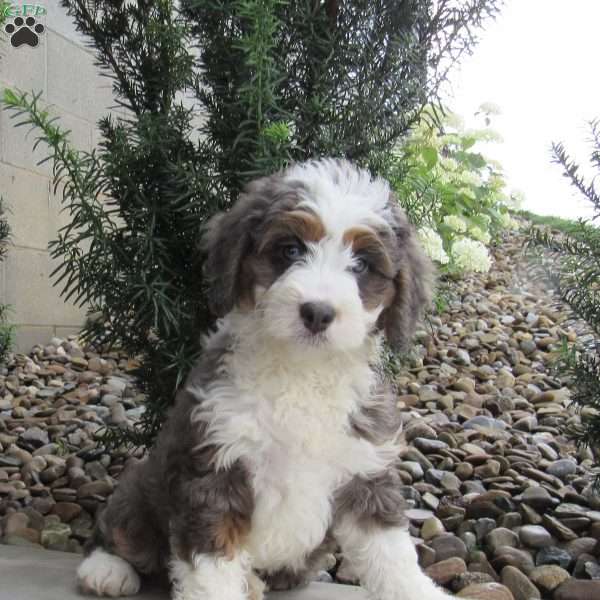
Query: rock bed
53, 473
501, 502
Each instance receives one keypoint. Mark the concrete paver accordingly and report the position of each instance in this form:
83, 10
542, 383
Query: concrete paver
30, 574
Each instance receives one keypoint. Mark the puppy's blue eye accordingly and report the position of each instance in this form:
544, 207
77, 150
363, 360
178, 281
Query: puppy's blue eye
292, 251
360, 266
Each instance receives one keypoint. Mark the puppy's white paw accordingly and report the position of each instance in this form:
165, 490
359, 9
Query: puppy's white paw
256, 587
105, 574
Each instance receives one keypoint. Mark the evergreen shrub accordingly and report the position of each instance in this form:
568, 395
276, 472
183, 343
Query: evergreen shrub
573, 268
273, 81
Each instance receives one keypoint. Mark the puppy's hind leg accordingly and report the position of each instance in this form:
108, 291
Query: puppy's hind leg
210, 521
105, 574
126, 541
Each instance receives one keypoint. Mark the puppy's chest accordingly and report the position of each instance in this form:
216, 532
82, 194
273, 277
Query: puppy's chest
293, 433
293, 495
298, 449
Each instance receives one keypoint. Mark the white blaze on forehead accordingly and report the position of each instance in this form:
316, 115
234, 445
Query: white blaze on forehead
342, 196
323, 275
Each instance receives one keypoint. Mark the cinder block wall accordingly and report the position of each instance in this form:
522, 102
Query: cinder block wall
61, 67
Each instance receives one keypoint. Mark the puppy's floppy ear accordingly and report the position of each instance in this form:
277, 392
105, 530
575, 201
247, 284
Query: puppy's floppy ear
413, 282
225, 242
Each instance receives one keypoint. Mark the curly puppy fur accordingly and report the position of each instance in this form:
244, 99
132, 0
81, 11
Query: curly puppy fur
283, 441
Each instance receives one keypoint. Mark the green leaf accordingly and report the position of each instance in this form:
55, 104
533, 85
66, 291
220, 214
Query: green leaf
468, 142
10, 98
430, 156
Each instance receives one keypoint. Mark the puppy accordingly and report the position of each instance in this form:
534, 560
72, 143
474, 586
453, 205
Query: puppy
282, 444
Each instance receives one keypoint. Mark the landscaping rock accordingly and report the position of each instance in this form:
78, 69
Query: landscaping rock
551, 555
535, 536
578, 589
548, 577
562, 468
486, 591
501, 537
56, 536
508, 556
519, 584
445, 571
431, 528
447, 545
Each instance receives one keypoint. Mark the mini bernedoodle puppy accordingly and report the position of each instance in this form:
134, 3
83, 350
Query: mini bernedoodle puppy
283, 442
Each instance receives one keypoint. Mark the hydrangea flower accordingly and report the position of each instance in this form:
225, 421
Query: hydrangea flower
448, 163
490, 108
478, 234
470, 178
433, 245
468, 192
505, 220
455, 223
514, 224
471, 255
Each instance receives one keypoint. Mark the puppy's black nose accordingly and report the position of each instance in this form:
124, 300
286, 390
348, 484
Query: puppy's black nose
317, 316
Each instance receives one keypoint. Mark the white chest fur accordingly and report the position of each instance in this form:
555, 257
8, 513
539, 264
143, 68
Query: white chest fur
292, 506
287, 418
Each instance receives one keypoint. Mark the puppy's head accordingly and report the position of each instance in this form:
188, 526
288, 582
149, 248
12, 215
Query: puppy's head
322, 254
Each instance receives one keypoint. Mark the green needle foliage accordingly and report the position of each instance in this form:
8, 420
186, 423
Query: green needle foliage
574, 270
3, 14
210, 94
289, 80
3, 17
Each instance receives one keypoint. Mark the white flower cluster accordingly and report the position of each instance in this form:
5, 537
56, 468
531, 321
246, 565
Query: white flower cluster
455, 223
490, 108
504, 219
468, 192
433, 245
449, 164
486, 219
469, 178
478, 234
471, 255
507, 222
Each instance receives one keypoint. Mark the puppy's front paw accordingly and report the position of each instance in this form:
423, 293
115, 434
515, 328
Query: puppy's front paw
256, 587
105, 574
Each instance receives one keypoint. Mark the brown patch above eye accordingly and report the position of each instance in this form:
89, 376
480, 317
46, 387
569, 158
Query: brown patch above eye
375, 285
301, 224
367, 243
265, 265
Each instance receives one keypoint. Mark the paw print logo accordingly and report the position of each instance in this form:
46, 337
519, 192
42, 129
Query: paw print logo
24, 31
